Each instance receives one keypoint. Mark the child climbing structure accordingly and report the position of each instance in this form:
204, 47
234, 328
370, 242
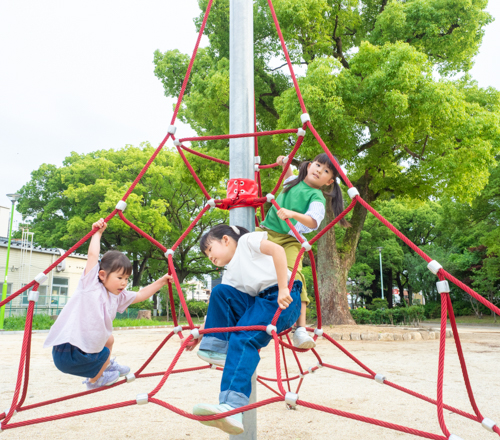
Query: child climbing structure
250, 195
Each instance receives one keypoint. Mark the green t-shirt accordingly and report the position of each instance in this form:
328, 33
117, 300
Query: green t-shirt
296, 199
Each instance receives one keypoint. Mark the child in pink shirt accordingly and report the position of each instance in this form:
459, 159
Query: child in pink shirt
81, 338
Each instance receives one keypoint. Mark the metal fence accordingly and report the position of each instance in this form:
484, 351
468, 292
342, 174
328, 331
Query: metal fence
46, 305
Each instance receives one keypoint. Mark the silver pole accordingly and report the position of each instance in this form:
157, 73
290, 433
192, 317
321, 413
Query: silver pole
241, 151
381, 273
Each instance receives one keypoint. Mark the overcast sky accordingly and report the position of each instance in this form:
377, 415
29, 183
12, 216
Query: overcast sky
78, 76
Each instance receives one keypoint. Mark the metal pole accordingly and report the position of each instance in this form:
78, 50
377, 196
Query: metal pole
241, 151
4, 287
381, 273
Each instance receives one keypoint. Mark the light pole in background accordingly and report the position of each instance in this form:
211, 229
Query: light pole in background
13, 198
381, 273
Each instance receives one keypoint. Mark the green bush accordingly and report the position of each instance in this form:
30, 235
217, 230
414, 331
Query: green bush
378, 303
197, 308
143, 305
399, 315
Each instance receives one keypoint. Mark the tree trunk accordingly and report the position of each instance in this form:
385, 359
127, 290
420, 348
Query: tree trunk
389, 289
334, 262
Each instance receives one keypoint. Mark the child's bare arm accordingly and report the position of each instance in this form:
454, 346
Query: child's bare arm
150, 290
279, 258
306, 220
289, 172
95, 245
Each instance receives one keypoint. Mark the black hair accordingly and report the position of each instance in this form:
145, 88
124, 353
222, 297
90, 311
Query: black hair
115, 261
217, 232
336, 199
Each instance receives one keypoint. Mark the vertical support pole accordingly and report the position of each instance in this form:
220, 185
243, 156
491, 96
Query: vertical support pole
381, 273
4, 286
241, 151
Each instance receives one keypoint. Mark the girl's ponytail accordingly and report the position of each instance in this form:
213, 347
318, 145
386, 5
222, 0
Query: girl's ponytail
337, 203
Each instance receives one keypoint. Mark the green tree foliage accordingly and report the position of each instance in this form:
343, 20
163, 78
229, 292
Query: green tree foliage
371, 88
63, 202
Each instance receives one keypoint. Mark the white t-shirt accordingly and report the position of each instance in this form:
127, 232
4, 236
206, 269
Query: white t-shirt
250, 270
87, 319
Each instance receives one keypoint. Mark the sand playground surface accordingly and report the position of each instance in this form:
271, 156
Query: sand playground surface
412, 364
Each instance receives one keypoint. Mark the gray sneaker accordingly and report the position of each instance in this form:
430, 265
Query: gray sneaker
212, 357
115, 366
107, 378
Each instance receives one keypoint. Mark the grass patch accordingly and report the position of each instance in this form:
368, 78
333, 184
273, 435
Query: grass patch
40, 322
485, 320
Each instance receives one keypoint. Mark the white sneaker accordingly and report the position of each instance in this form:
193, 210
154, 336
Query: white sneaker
232, 425
302, 340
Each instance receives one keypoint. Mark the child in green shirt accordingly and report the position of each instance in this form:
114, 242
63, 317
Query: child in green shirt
303, 203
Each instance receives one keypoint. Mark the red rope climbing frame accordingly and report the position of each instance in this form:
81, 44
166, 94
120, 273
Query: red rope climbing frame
279, 340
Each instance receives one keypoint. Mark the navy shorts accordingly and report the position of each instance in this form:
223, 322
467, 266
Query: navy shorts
71, 360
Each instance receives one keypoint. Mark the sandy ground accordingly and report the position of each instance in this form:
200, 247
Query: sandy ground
412, 364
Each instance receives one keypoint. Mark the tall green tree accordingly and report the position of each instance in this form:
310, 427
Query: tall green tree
63, 202
379, 85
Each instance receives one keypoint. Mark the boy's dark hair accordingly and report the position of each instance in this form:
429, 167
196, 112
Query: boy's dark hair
336, 199
217, 232
115, 261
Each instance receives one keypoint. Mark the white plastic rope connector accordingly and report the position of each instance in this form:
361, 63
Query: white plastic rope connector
306, 246
195, 333
318, 331
41, 278
177, 143
269, 197
270, 328
434, 267
319, 365
213, 366
310, 369
256, 167
256, 159
352, 192
211, 202
178, 329
291, 399
130, 377
304, 117
33, 295
454, 437
171, 129
380, 378
121, 205
169, 252
142, 399
7, 412
443, 287
488, 424
301, 132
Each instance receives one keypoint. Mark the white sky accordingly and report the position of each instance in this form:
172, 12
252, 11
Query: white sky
78, 76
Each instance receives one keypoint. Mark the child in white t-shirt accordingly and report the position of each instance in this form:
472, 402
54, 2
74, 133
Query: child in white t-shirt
81, 336
254, 286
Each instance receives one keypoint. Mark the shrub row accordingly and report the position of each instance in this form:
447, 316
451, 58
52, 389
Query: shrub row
412, 315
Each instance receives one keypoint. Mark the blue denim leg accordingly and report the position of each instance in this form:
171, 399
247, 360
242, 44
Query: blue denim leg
243, 350
227, 306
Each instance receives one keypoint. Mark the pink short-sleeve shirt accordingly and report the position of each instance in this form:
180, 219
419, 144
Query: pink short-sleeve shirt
87, 319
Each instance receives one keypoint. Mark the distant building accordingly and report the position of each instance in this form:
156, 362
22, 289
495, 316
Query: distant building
197, 291
27, 261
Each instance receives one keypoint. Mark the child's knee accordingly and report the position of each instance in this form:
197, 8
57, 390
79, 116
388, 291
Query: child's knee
111, 341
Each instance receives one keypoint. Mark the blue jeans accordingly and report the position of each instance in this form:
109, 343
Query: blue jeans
231, 308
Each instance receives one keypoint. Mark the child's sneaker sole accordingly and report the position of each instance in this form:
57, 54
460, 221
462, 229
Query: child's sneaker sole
226, 424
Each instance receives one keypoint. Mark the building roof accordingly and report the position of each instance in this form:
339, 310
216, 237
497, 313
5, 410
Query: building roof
16, 244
